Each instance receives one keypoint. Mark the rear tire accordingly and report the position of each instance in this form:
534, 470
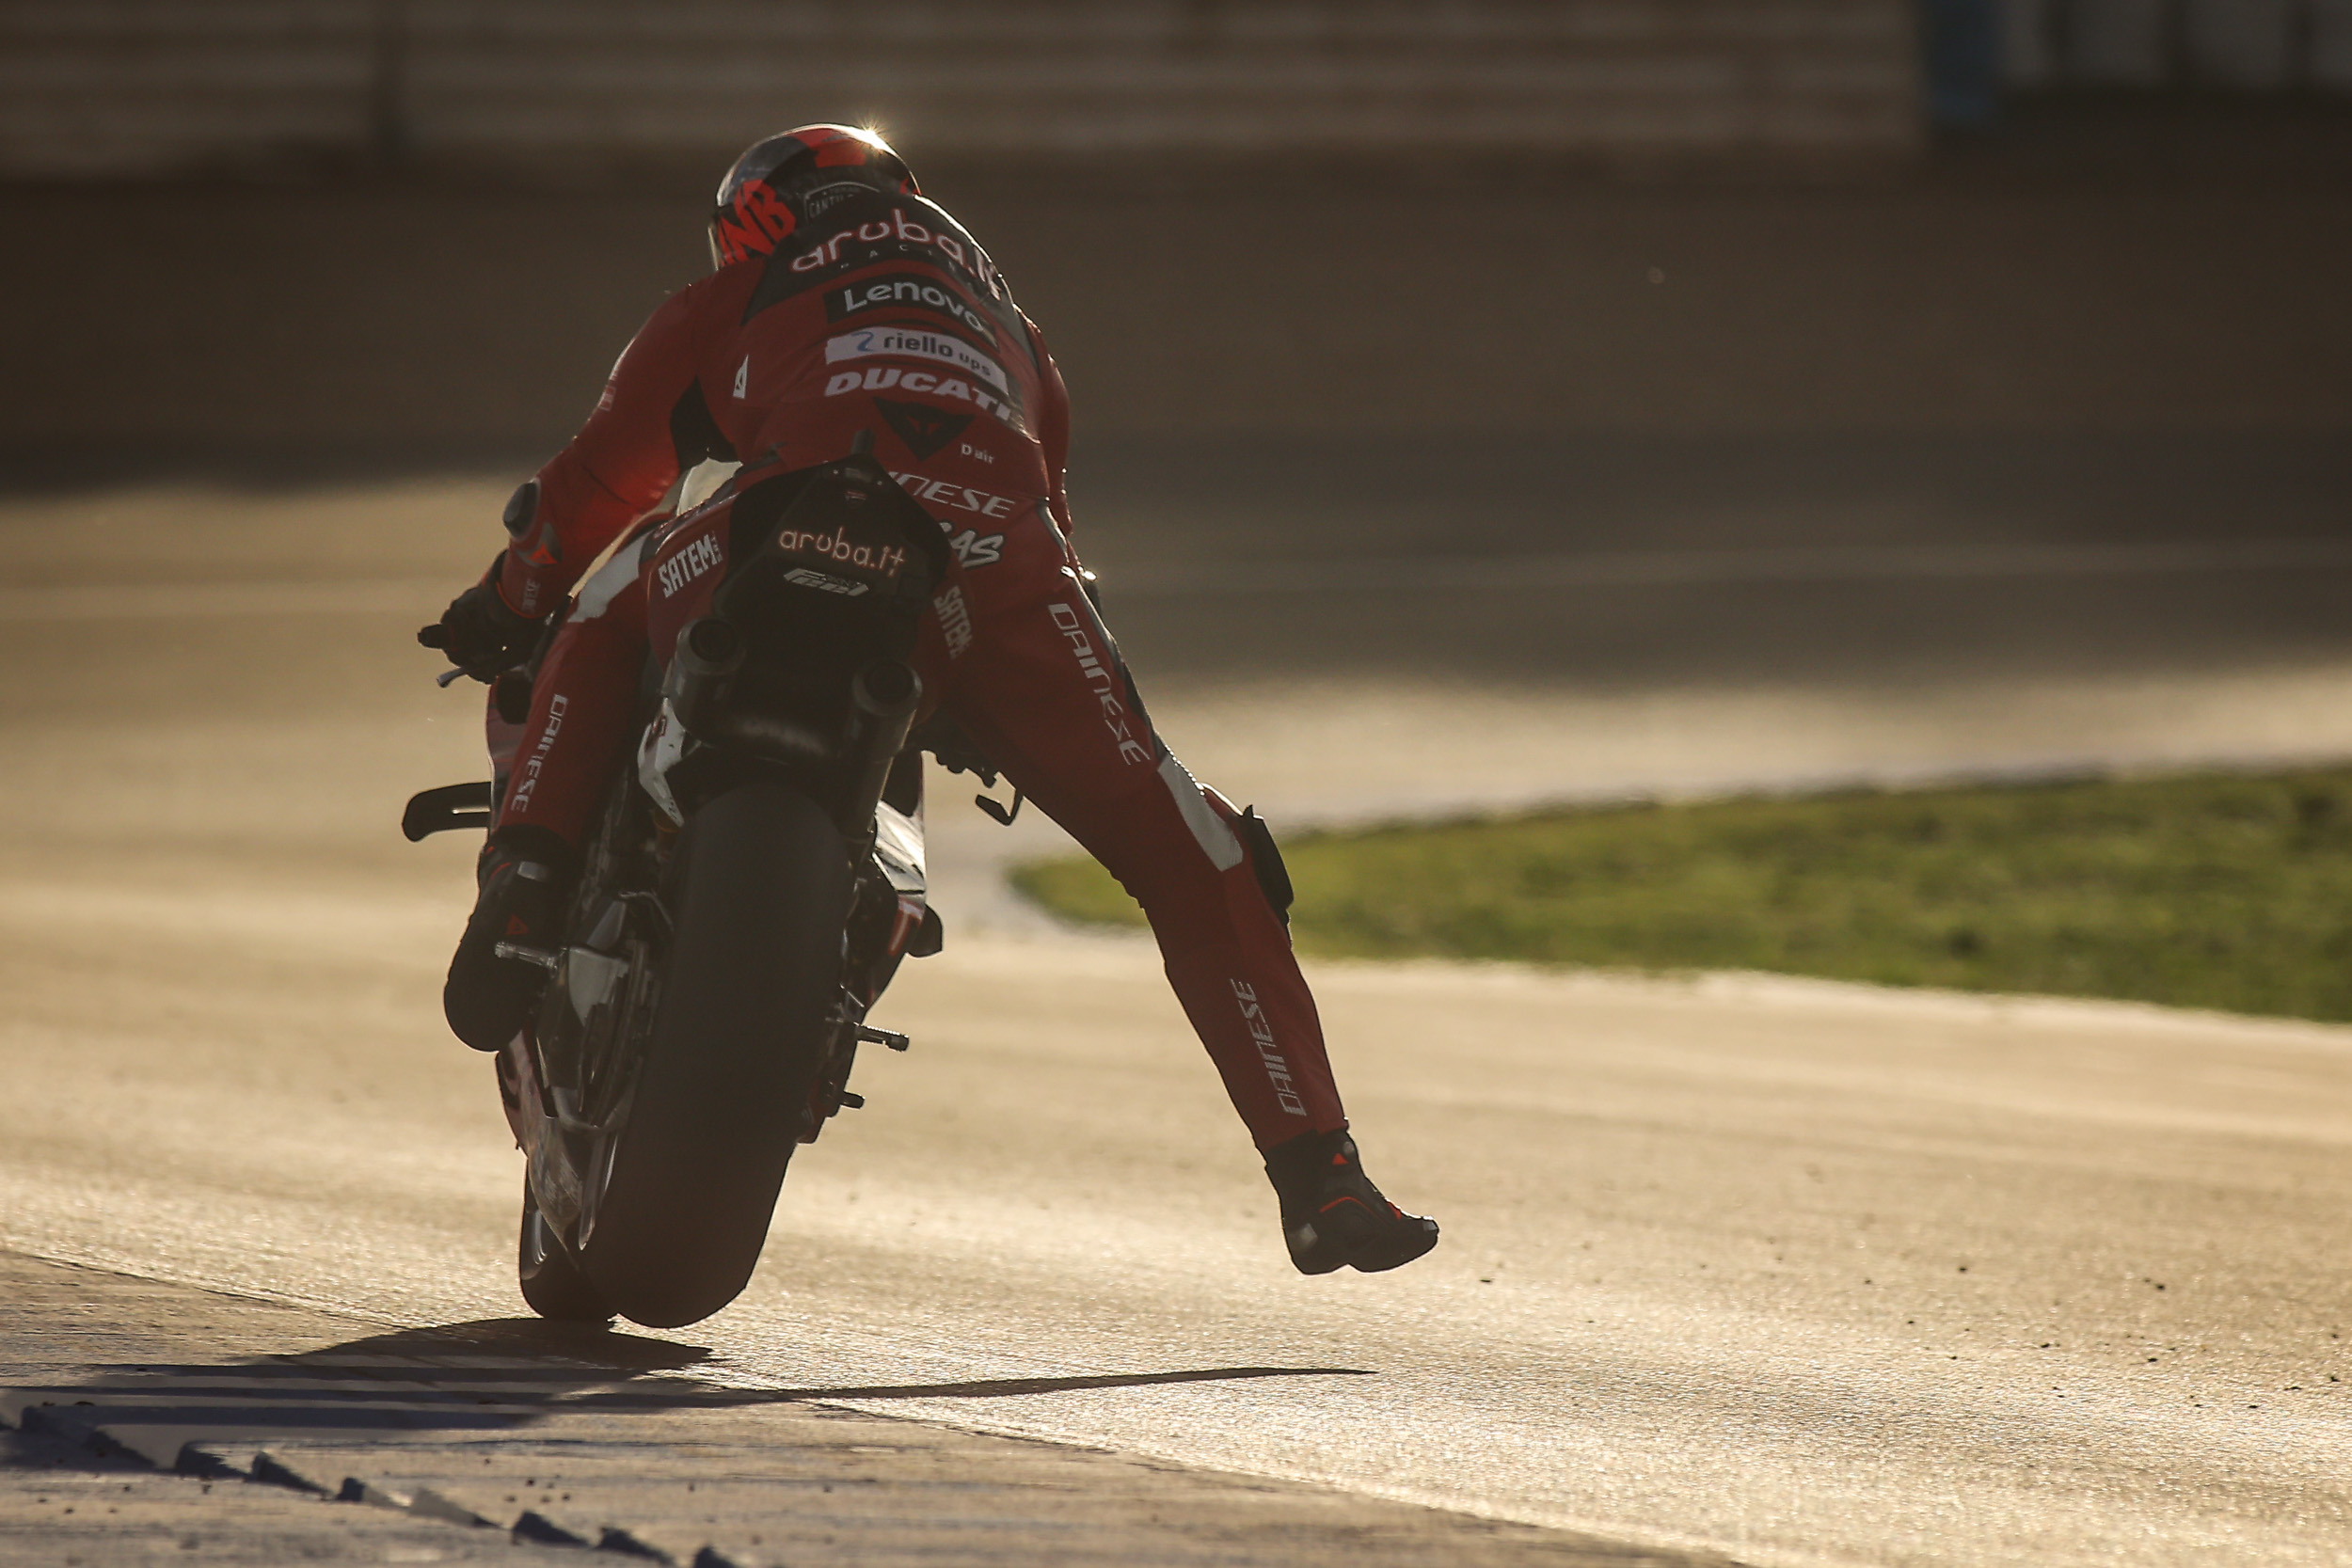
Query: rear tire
551, 1282
755, 968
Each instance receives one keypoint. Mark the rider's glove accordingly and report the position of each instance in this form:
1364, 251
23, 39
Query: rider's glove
478, 633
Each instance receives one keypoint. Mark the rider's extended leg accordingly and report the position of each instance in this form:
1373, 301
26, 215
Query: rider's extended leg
577, 734
1041, 689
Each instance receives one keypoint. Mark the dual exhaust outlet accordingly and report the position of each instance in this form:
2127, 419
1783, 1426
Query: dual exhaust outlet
884, 696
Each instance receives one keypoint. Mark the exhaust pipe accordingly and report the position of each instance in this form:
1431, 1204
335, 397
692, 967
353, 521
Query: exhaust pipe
883, 699
701, 689
709, 651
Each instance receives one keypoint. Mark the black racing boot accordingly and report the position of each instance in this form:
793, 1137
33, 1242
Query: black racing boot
1332, 1215
526, 881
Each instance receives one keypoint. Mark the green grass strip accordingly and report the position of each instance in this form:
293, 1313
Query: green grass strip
2228, 892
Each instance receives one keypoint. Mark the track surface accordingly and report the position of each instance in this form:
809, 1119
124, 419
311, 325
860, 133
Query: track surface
1800, 1274
142, 1408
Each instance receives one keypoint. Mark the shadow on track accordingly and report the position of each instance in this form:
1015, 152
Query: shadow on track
494, 1374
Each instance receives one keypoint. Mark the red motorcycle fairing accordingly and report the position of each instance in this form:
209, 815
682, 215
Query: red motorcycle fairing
689, 564
693, 558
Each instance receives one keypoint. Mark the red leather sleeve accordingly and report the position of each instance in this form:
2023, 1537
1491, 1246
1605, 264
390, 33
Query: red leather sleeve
622, 462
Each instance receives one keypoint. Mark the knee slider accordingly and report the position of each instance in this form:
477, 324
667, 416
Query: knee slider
1274, 877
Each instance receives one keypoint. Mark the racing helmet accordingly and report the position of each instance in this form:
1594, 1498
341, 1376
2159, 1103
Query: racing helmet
786, 181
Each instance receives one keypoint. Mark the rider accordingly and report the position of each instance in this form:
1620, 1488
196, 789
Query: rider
842, 301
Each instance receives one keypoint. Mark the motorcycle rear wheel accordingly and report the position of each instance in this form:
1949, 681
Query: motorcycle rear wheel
762, 889
551, 1282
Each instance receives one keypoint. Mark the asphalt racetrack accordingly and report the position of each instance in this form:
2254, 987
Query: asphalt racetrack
1792, 1272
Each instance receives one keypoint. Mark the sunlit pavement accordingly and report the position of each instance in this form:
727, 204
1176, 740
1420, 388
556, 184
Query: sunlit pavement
1794, 1272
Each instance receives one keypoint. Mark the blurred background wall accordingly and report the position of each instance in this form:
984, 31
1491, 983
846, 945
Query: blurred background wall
2261, 45
1977, 50
425, 226
2046, 299
142, 86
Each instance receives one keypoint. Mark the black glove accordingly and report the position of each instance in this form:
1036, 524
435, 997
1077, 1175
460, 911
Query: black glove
478, 633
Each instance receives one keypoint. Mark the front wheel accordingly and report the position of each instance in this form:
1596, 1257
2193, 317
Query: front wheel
762, 891
551, 1282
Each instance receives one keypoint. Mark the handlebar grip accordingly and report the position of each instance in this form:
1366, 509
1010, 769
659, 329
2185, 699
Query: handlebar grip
433, 636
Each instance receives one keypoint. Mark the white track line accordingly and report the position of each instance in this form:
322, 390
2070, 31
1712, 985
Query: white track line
420, 596
1585, 569
1681, 568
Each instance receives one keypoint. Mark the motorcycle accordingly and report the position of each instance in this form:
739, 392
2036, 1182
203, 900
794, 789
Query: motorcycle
749, 890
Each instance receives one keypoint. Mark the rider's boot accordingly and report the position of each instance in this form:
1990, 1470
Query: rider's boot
1332, 1215
525, 876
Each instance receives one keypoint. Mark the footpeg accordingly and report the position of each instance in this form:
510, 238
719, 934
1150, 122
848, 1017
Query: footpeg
869, 1035
450, 807
538, 956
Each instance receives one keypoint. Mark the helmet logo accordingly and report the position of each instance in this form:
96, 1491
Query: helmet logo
752, 224
788, 179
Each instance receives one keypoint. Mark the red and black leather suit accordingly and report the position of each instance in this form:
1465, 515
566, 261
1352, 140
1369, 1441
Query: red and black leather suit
887, 316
